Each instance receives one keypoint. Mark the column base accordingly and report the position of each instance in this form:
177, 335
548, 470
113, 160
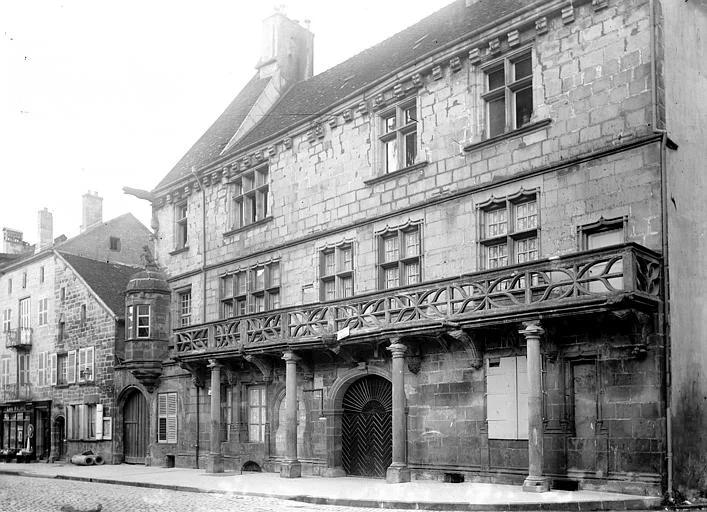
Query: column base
214, 463
333, 472
290, 469
536, 484
397, 474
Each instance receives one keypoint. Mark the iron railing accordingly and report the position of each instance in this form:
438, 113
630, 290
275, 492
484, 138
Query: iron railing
18, 338
589, 277
15, 392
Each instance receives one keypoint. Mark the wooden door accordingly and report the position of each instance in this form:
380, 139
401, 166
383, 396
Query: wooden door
136, 426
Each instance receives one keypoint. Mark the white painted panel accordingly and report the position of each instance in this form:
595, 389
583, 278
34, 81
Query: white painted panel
501, 398
522, 372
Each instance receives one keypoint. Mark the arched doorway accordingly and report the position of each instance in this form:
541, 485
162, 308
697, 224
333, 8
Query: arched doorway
136, 425
366, 432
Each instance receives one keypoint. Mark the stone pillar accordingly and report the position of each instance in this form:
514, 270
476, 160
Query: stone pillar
398, 471
290, 467
535, 482
334, 468
214, 463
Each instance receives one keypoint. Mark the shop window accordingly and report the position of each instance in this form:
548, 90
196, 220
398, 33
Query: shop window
398, 137
336, 271
399, 258
507, 397
509, 231
250, 197
167, 418
509, 93
256, 414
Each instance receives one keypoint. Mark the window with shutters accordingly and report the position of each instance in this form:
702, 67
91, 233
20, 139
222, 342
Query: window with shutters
24, 314
167, 418
7, 319
85, 368
253, 290
71, 367
399, 254
42, 370
336, 271
42, 308
256, 414
507, 397
23, 369
53, 378
62, 366
5, 371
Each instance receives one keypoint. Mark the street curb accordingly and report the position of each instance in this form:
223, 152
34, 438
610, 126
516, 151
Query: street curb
569, 506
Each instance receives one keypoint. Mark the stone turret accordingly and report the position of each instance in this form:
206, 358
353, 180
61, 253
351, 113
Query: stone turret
147, 303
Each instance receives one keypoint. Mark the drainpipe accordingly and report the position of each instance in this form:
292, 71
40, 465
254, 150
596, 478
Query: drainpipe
665, 283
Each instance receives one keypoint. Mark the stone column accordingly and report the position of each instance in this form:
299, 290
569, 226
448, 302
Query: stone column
214, 463
290, 467
398, 471
535, 482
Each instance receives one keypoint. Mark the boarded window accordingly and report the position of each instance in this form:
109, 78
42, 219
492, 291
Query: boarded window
507, 398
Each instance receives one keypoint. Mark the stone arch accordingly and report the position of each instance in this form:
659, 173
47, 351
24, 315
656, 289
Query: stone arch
58, 434
118, 438
334, 410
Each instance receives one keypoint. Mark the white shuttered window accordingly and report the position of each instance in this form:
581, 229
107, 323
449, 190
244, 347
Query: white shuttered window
167, 418
71, 367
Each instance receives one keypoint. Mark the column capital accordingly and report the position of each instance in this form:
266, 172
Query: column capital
397, 349
214, 363
290, 356
532, 329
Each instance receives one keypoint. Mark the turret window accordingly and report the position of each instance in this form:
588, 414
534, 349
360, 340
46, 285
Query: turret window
138, 321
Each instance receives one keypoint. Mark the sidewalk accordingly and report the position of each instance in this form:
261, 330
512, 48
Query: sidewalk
350, 491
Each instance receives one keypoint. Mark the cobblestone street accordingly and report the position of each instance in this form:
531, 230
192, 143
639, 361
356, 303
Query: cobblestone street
26, 494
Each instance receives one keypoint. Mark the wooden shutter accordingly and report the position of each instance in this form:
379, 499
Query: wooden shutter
99, 422
171, 417
82, 364
88, 366
68, 414
41, 365
522, 387
82, 421
52, 370
71, 367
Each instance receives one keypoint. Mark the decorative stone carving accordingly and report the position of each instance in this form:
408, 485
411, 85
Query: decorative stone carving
319, 131
333, 121
264, 365
398, 91
513, 38
414, 364
475, 56
600, 4
311, 137
568, 14
362, 108
347, 115
541, 25
271, 150
437, 72
455, 64
495, 45
378, 101
471, 345
287, 142
417, 80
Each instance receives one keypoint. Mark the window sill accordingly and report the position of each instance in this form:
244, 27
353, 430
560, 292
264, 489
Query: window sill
508, 135
179, 251
395, 174
249, 226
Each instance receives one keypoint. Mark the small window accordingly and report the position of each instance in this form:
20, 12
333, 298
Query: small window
114, 243
41, 274
398, 139
181, 226
336, 271
9, 286
83, 315
24, 280
509, 93
250, 197
184, 305
399, 258
62, 294
61, 369
61, 334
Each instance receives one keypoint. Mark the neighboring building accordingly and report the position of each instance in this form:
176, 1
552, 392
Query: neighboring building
439, 259
61, 314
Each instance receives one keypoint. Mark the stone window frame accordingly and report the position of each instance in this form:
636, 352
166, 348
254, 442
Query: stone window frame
398, 134
181, 226
250, 197
261, 407
507, 91
167, 417
613, 224
336, 275
404, 261
246, 294
134, 330
512, 236
83, 315
184, 307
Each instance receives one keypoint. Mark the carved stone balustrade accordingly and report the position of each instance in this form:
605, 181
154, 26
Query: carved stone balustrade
587, 281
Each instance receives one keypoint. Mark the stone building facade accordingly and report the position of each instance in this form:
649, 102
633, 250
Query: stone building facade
440, 259
62, 314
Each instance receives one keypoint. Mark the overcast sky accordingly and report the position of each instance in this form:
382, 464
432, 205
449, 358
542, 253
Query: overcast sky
95, 95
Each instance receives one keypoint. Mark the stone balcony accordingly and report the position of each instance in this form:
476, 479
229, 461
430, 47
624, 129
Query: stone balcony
597, 280
20, 338
15, 392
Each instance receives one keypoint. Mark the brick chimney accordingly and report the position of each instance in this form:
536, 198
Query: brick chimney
45, 225
288, 47
92, 212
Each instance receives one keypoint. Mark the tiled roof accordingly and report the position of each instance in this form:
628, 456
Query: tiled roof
107, 280
326, 89
215, 139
